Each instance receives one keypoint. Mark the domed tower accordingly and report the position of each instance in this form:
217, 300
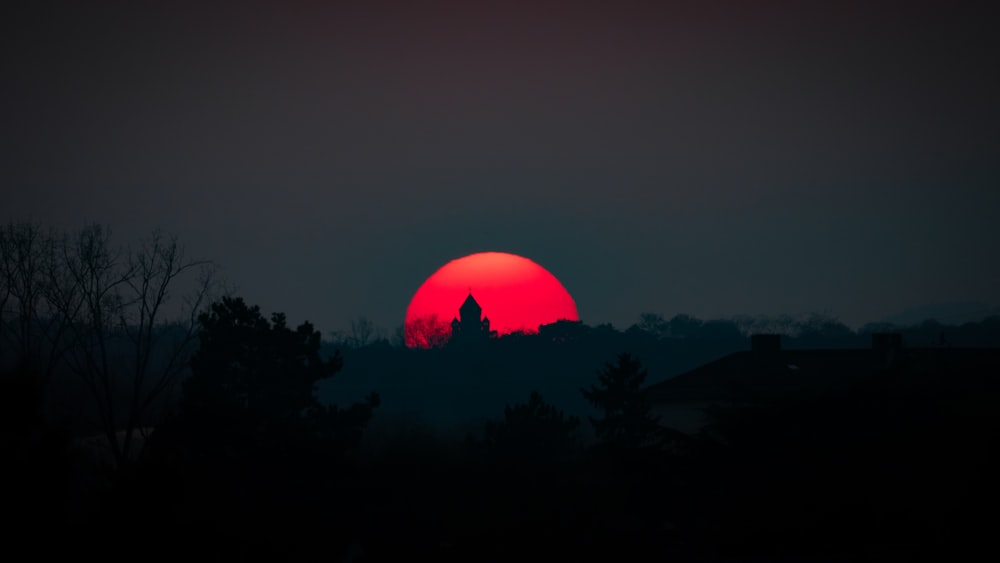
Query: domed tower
470, 325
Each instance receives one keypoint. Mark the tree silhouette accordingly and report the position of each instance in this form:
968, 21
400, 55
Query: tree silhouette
104, 312
684, 326
823, 330
251, 453
35, 286
252, 391
427, 332
654, 324
534, 430
363, 332
627, 421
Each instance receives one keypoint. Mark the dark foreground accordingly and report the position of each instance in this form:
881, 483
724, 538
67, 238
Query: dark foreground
881, 471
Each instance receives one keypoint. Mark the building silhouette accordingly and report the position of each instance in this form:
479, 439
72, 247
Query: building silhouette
768, 373
470, 325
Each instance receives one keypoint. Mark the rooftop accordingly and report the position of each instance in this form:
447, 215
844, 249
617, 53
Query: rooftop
769, 372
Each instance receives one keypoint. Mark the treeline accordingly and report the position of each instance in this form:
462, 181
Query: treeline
814, 330
559, 358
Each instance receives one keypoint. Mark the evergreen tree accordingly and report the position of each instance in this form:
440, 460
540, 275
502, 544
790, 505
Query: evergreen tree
252, 453
256, 380
627, 420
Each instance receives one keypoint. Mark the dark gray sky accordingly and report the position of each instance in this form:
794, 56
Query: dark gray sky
710, 158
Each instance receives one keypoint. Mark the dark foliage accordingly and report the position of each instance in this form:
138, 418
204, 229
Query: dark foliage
898, 464
255, 455
37, 462
627, 421
534, 431
891, 465
259, 377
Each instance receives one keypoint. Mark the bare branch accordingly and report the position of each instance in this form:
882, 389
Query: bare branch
106, 313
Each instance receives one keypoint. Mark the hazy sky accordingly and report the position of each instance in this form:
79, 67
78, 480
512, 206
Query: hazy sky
747, 157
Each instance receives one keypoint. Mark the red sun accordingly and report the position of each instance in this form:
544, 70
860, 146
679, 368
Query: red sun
514, 292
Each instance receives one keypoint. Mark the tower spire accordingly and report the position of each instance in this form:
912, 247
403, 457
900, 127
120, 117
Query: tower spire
470, 324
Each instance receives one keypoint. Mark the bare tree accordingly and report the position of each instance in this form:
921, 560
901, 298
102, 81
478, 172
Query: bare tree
25, 249
426, 332
117, 301
6, 282
104, 312
93, 268
338, 338
654, 324
153, 267
32, 282
364, 332
398, 339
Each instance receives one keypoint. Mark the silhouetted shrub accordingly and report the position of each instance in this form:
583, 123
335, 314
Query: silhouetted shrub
534, 431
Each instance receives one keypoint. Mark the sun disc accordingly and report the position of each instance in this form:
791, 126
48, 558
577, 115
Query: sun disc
514, 293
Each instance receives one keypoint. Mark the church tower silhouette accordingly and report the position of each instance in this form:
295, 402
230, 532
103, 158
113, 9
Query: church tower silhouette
470, 325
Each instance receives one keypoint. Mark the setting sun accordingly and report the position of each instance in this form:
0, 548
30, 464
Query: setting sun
514, 293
